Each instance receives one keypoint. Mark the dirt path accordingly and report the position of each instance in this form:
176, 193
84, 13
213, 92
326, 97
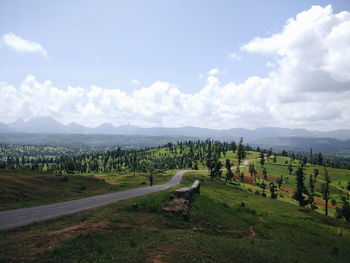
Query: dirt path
250, 231
19, 217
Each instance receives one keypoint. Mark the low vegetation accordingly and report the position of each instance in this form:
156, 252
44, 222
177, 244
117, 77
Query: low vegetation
227, 224
254, 206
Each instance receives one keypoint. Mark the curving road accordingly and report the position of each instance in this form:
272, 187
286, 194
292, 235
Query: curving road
19, 217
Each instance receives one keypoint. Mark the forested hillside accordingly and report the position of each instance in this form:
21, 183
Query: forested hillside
253, 203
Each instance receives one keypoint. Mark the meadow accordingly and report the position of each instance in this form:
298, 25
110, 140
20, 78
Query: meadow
219, 230
229, 221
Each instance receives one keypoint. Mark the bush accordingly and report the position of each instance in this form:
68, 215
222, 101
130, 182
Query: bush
344, 212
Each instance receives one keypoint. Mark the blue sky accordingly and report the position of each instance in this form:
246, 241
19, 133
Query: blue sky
127, 45
110, 43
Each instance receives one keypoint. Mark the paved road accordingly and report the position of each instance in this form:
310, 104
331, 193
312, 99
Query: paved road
24, 216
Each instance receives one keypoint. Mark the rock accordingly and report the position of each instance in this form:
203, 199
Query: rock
180, 200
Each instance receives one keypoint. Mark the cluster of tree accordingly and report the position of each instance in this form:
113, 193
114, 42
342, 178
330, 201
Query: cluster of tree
307, 197
318, 159
344, 211
187, 154
303, 195
40, 151
216, 149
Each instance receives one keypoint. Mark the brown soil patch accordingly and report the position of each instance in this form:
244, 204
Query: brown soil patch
321, 202
45, 240
247, 179
250, 231
149, 223
158, 255
287, 190
70, 231
272, 179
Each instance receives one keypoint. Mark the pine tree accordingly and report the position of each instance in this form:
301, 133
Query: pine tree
325, 190
262, 158
300, 187
264, 172
240, 151
273, 190
311, 200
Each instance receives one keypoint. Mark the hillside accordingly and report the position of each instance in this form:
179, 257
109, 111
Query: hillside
219, 230
220, 227
47, 131
26, 188
328, 146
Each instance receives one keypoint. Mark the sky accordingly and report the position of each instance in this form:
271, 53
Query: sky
216, 64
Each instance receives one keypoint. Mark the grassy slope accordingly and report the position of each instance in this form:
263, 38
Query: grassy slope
219, 231
24, 188
339, 179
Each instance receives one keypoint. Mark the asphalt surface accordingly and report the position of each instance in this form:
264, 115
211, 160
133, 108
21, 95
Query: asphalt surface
10, 219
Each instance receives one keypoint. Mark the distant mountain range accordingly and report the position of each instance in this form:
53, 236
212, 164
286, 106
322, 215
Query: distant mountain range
328, 146
47, 125
46, 130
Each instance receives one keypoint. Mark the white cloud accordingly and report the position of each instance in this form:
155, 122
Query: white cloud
312, 51
213, 71
309, 87
234, 56
22, 45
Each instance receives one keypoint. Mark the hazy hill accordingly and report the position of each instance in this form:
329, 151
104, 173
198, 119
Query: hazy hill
46, 130
88, 139
5, 128
300, 144
48, 125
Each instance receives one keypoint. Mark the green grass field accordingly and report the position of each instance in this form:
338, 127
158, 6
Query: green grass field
219, 230
338, 185
25, 188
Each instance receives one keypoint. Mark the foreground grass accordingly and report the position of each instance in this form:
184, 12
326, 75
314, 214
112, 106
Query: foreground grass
219, 230
25, 188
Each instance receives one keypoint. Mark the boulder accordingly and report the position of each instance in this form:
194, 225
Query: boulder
180, 200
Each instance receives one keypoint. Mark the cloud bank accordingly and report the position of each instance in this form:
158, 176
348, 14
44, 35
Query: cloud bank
308, 87
21, 45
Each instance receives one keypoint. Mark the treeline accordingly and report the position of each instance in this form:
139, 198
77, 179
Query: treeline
179, 155
312, 158
187, 154
318, 159
36, 151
